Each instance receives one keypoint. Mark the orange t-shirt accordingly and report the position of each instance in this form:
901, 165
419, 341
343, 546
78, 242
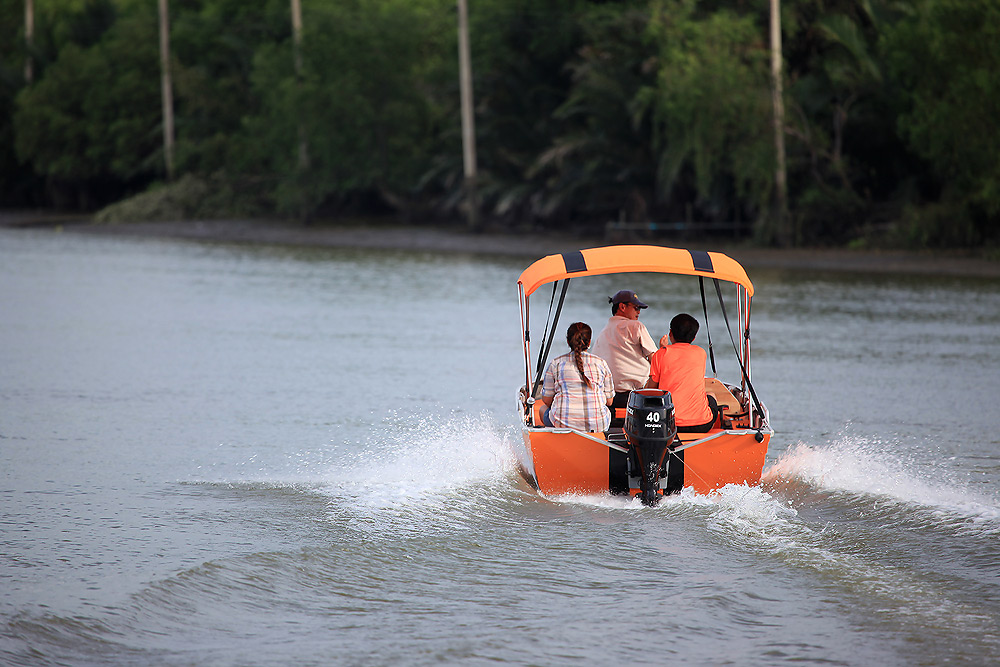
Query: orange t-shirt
680, 369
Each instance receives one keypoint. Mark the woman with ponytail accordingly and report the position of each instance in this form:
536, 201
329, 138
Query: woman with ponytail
578, 387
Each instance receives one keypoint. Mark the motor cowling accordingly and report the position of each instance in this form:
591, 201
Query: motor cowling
650, 429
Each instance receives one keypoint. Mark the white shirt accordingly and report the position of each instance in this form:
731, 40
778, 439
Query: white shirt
626, 345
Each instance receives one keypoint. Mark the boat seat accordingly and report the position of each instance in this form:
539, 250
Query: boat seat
730, 406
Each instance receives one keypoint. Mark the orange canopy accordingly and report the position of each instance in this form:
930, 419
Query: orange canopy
633, 259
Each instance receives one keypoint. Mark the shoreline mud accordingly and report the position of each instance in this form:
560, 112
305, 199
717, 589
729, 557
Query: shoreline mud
529, 244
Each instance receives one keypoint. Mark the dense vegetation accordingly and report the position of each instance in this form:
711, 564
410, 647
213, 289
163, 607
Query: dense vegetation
586, 111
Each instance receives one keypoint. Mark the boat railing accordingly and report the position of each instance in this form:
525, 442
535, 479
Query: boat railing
527, 411
719, 434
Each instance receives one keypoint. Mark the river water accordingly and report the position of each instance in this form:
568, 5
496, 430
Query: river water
220, 454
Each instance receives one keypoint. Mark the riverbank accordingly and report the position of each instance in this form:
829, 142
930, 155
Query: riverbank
533, 244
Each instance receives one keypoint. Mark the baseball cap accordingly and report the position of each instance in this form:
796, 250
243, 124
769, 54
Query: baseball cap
626, 296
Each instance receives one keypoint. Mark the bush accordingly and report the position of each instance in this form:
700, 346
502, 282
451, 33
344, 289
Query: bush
190, 198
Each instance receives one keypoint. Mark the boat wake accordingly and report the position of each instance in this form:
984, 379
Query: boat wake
860, 469
415, 477
857, 517
430, 457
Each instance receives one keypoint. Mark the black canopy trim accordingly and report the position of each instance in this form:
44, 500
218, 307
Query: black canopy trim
702, 261
574, 261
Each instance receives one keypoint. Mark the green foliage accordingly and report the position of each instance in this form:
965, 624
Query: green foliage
947, 56
847, 166
585, 110
600, 164
95, 114
362, 106
174, 201
58, 23
520, 54
189, 198
934, 225
712, 108
559, 139
14, 181
214, 44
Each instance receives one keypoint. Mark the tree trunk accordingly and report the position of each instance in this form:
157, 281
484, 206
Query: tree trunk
166, 88
468, 122
297, 46
29, 40
780, 204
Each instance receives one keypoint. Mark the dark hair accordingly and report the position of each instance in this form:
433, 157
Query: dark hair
578, 338
684, 328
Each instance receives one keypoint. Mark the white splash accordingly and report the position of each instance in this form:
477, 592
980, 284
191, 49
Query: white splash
859, 466
421, 476
413, 459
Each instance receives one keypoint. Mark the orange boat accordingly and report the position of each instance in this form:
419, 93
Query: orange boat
627, 460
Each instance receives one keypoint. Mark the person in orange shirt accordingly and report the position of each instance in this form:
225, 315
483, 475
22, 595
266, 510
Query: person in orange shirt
680, 369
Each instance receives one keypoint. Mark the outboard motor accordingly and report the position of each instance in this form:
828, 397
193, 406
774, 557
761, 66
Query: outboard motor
650, 429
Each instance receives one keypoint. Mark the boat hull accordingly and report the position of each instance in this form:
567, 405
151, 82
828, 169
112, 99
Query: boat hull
560, 462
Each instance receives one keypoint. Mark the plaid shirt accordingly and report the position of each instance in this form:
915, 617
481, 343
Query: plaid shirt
574, 404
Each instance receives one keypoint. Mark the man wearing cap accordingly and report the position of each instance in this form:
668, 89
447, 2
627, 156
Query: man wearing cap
626, 345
